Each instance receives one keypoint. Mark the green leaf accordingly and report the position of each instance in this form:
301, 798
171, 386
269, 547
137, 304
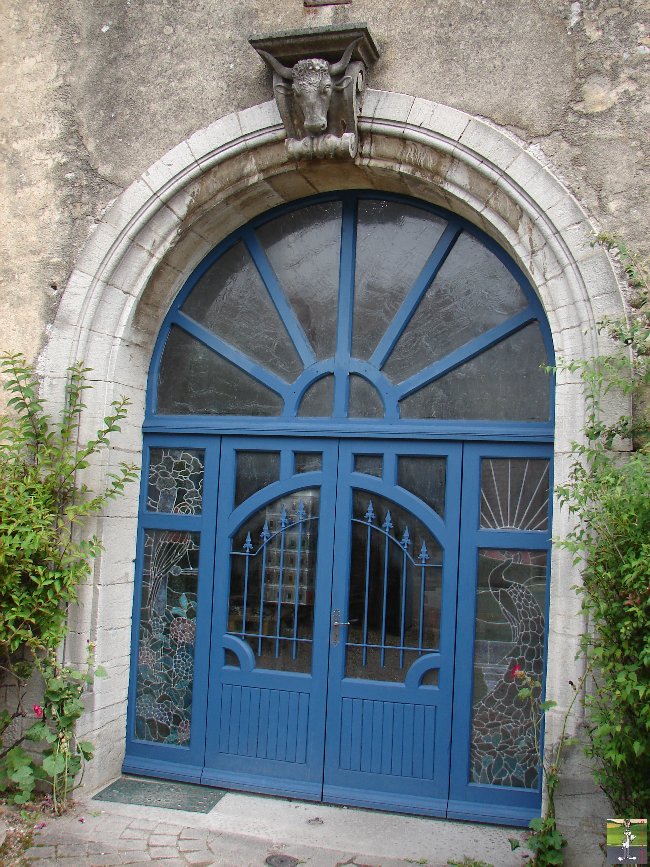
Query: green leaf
86, 748
100, 671
54, 765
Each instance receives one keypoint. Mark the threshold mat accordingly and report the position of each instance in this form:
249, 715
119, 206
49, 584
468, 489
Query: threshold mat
161, 793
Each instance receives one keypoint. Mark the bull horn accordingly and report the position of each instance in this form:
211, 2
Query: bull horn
341, 66
283, 71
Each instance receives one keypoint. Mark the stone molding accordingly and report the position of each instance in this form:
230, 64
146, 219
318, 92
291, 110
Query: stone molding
154, 234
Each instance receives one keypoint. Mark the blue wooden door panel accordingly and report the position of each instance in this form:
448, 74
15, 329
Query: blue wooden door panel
266, 726
388, 742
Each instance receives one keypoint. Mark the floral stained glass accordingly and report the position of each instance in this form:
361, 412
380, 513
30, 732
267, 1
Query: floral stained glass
175, 481
167, 636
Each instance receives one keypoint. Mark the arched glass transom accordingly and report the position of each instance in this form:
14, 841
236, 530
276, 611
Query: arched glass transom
358, 306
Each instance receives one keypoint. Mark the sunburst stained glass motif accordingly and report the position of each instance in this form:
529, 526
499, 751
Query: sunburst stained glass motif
509, 639
514, 493
175, 480
167, 636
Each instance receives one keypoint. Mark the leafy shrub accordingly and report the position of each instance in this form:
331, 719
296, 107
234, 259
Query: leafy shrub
44, 556
611, 545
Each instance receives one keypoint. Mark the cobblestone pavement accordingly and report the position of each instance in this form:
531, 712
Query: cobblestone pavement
246, 831
141, 841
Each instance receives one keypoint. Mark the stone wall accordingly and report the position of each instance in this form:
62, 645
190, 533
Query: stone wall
93, 93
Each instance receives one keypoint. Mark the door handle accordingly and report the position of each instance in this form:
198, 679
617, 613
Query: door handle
336, 623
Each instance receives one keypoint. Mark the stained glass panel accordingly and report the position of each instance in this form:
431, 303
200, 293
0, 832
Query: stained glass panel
509, 639
167, 635
175, 480
514, 493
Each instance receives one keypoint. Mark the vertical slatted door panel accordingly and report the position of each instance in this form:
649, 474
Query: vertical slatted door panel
502, 612
388, 726
266, 714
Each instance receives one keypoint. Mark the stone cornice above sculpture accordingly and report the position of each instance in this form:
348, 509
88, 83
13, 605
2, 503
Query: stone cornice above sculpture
318, 82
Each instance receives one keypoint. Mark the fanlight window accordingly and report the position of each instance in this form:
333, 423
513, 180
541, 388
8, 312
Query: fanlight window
357, 307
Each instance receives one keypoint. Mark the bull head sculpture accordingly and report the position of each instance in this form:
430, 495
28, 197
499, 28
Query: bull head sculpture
317, 102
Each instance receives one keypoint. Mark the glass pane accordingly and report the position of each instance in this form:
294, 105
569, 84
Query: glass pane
430, 678
425, 477
273, 581
318, 400
371, 465
308, 462
395, 587
233, 302
255, 470
472, 292
166, 640
509, 639
193, 379
304, 249
365, 401
175, 480
393, 243
514, 493
504, 382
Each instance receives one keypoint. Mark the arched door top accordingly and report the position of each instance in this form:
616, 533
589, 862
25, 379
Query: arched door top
358, 309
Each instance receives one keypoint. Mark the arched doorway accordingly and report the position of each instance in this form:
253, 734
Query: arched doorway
343, 545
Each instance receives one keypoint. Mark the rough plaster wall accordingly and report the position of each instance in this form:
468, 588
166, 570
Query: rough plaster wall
93, 93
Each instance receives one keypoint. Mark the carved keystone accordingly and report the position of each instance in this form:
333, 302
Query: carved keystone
318, 82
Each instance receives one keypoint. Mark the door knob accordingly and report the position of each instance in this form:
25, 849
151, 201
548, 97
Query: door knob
336, 623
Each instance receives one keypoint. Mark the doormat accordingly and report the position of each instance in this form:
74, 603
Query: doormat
160, 793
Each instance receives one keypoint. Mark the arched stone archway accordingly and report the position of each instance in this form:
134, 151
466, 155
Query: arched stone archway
153, 235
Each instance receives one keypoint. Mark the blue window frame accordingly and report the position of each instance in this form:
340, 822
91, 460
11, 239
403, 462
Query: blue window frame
349, 348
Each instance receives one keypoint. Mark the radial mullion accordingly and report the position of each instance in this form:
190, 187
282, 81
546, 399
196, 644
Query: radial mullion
234, 356
345, 308
279, 299
465, 353
409, 305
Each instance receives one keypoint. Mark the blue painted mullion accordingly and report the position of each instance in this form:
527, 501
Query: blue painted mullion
345, 309
535, 540
172, 521
225, 350
276, 293
296, 600
410, 303
466, 352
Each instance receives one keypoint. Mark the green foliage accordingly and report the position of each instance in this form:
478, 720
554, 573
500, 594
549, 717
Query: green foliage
610, 497
44, 556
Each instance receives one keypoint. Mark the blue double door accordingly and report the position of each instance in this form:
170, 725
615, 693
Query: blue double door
334, 619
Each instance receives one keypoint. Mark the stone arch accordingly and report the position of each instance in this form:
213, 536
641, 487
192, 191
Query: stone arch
153, 235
